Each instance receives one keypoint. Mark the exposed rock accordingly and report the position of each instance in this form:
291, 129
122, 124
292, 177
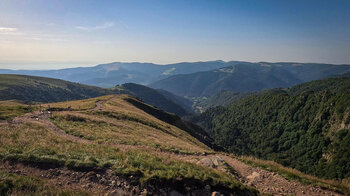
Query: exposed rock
207, 162
103, 181
91, 173
144, 192
215, 193
114, 192
217, 160
113, 183
253, 176
126, 186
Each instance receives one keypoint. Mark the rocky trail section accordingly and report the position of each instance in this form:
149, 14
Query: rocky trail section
271, 182
105, 182
264, 181
95, 182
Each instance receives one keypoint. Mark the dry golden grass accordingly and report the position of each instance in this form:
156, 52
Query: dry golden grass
11, 103
35, 139
17, 185
84, 104
121, 123
34, 143
10, 109
94, 134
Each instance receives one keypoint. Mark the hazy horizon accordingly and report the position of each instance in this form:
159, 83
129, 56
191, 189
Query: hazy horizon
53, 66
62, 34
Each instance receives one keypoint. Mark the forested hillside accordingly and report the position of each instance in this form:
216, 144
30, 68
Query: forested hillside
305, 127
223, 98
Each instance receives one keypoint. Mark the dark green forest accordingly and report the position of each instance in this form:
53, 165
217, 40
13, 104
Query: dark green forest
305, 127
223, 98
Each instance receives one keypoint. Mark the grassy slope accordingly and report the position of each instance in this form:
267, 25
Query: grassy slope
40, 89
10, 109
118, 136
26, 185
192, 129
121, 122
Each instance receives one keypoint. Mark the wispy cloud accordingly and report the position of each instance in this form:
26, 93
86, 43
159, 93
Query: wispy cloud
105, 25
17, 34
9, 31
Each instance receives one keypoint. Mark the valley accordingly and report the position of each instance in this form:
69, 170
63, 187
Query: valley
64, 138
95, 148
174, 98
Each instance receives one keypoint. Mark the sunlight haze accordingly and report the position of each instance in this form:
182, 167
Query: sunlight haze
57, 34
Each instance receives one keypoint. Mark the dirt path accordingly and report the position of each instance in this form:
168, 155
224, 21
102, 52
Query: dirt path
43, 118
264, 181
270, 182
99, 104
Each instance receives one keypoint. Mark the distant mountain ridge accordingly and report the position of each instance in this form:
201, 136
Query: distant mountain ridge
111, 74
195, 79
248, 77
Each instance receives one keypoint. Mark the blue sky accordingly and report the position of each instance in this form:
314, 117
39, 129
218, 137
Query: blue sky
48, 34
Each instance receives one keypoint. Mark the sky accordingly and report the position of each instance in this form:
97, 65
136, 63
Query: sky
50, 34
